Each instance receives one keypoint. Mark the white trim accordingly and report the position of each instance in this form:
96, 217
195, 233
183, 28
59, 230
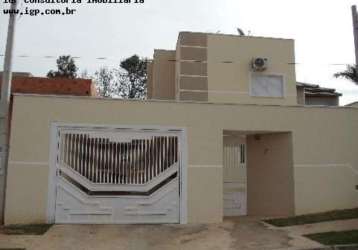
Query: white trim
179, 131
197, 76
183, 182
51, 197
328, 165
214, 91
205, 166
284, 95
321, 165
193, 46
193, 61
30, 163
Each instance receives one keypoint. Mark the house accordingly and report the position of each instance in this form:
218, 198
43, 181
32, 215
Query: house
353, 104
311, 94
221, 134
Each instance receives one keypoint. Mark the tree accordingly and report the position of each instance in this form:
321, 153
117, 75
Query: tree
133, 81
106, 82
350, 73
129, 81
66, 68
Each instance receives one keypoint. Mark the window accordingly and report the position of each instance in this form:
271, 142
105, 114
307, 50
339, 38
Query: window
267, 85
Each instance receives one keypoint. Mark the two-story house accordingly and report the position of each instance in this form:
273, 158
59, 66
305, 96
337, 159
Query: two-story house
226, 131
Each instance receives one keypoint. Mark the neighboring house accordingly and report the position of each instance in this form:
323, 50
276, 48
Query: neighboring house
219, 136
310, 94
353, 104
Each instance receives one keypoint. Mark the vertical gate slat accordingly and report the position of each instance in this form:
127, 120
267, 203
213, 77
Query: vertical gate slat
92, 158
153, 166
146, 155
135, 162
107, 161
128, 153
122, 164
156, 156
176, 149
80, 155
76, 152
110, 166
143, 161
83, 156
100, 165
114, 166
68, 150
125, 168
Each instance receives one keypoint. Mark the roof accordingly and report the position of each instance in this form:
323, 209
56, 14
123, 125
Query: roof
316, 90
353, 104
232, 35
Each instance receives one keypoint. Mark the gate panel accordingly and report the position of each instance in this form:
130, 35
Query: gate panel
117, 177
234, 161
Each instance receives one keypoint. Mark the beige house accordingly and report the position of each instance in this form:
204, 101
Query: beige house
223, 133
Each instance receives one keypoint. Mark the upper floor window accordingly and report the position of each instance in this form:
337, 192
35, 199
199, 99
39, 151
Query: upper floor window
267, 85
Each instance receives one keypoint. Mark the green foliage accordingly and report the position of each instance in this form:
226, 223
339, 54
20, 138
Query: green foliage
336, 238
66, 68
350, 73
315, 218
134, 80
106, 83
129, 81
28, 229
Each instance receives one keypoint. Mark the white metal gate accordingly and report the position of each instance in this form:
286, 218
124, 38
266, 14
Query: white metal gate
235, 187
117, 176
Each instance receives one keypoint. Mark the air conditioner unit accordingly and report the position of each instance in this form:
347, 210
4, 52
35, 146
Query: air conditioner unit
259, 64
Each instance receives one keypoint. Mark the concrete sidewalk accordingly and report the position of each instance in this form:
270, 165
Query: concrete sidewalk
234, 233
238, 233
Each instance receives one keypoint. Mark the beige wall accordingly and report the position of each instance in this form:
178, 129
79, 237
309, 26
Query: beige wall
150, 80
191, 67
216, 68
230, 82
325, 157
300, 95
270, 175
162, 77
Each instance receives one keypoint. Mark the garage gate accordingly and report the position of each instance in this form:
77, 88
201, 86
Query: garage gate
116, 176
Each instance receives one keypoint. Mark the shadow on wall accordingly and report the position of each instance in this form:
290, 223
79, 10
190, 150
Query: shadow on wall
270, 182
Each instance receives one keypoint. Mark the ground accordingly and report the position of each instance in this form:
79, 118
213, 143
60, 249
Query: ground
234, 233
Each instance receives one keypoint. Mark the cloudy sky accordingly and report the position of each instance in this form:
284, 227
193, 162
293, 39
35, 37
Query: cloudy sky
322, 30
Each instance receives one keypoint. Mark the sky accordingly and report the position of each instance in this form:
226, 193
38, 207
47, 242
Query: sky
322, 30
